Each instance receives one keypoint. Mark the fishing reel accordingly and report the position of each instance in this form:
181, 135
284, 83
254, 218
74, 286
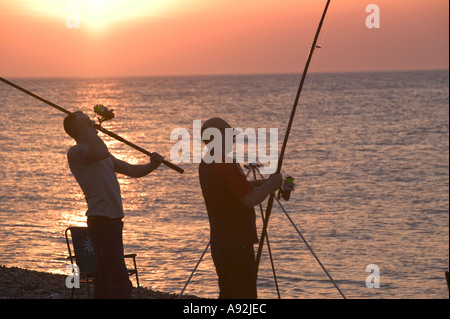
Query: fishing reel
105, 114
286, 189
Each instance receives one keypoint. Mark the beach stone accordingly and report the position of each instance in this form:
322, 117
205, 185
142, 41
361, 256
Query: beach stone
18, 283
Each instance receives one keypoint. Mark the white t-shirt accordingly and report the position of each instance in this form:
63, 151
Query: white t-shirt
100, 187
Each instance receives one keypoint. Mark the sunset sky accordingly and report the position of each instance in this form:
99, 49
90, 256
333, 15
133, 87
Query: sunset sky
171, 37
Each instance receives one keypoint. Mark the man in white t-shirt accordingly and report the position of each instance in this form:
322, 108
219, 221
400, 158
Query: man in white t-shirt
95, 170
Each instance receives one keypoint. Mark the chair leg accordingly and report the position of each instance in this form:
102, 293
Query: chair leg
138, 286
137, 278
88, 288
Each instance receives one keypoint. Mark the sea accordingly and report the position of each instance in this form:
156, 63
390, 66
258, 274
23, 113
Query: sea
369, 153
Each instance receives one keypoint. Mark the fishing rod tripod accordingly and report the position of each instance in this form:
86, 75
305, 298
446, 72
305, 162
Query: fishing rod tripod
254, 168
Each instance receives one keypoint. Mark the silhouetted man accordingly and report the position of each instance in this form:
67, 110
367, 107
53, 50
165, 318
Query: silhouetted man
229, 199
95, 170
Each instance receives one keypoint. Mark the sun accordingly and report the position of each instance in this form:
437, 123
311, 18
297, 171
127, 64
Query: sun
98, 14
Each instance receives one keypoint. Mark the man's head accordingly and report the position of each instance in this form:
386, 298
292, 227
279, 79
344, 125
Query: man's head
215, 122
74, 122
218, 135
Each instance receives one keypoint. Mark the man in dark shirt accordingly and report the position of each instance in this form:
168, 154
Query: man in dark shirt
229, 199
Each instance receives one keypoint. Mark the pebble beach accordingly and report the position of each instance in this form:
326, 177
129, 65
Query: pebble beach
18, 283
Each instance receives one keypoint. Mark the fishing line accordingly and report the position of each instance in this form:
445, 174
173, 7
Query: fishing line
313, 79
41, 87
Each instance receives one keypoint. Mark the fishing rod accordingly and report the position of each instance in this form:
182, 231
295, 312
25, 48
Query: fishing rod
105, 115
286, 136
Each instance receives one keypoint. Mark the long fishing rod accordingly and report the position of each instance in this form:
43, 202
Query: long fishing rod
286, 136
96, 126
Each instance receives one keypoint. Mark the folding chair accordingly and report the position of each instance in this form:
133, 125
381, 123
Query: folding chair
84, 257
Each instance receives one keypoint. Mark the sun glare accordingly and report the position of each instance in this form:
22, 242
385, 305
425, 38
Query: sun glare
98, 14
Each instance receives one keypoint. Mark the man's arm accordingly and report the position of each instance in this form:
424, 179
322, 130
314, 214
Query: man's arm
249, 193
257, 182
259, 193
137, 170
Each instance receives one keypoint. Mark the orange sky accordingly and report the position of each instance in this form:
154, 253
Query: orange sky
168, 37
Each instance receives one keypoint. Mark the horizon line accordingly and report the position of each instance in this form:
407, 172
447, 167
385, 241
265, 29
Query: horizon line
218, 74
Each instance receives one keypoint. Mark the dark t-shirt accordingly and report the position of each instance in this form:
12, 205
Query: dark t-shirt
224, 185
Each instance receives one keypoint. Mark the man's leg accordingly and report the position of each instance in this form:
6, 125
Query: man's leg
220, 262
112, 273
236, 269
243, 274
